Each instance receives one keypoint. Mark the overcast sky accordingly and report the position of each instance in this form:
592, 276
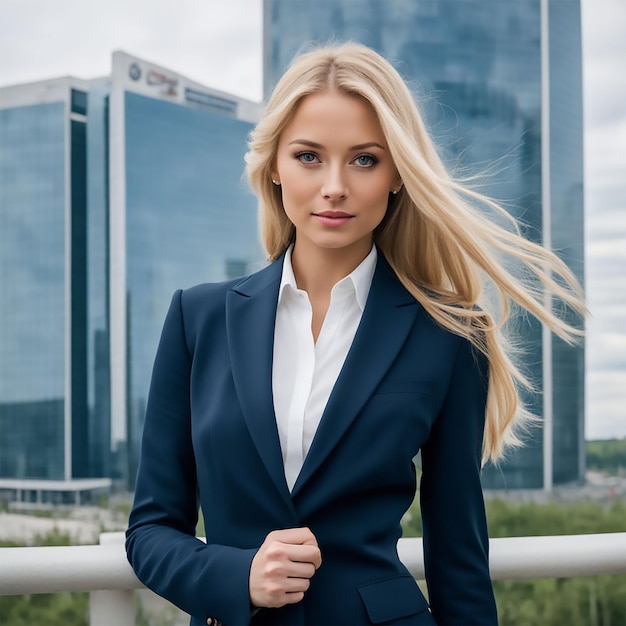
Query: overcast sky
218, 43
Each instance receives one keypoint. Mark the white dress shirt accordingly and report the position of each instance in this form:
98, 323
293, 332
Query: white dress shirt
304, 372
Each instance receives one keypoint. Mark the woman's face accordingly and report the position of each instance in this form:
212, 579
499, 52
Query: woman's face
335, 171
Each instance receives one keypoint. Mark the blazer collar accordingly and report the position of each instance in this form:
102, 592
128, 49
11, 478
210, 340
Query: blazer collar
250, 317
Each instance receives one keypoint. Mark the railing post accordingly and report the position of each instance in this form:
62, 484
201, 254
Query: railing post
112, 606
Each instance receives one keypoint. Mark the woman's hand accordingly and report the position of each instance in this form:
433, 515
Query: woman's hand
282, 567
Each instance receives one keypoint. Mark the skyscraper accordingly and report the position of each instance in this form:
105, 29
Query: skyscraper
113, 193
500, 86
44, 423
180, 214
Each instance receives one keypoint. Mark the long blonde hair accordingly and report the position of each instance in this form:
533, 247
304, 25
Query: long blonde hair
437, 235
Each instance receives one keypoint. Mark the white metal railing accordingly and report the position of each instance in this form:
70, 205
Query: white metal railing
104, 571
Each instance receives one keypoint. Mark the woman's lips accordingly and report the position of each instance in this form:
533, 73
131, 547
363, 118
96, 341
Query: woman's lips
333, 218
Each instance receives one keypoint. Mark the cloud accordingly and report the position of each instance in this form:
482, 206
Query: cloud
605, 153
608, 352
605, 221
604, 48
606, 410
215, 43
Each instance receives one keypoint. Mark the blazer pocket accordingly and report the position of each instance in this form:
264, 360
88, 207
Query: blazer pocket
392, 598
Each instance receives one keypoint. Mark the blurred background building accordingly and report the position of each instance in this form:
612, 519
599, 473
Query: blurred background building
180, 214
115, 192
44, 417
500, 84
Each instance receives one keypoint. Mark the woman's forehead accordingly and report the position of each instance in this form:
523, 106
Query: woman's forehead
334, 117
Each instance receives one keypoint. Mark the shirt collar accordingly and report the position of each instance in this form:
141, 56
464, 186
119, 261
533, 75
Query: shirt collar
360, 279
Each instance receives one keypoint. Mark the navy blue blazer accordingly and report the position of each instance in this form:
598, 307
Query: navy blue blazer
210, 439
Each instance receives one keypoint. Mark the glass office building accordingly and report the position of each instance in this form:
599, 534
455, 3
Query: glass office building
43, 413
180, 214
499, 84
113, 193
45, 427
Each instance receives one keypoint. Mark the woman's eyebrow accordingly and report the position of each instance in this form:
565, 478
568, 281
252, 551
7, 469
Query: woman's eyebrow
369, 144
360, 146
306, 142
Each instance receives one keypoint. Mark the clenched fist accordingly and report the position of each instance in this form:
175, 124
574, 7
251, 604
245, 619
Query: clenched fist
282, 568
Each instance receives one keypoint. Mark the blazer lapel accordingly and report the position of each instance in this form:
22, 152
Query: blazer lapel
386, 322
250, 319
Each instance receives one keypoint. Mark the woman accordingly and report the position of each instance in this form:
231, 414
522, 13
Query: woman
289, 405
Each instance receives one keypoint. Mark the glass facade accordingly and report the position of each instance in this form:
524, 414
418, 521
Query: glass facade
567, 228
176, 151
97, 237
190, 218
479, 73
32, 291
48, 238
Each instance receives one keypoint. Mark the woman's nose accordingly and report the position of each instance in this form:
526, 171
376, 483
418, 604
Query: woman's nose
335, 186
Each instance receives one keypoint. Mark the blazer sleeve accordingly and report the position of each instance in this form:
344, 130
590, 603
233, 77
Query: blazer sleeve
456, 540
203, 580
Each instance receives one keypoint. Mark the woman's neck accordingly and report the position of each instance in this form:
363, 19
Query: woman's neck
317, 269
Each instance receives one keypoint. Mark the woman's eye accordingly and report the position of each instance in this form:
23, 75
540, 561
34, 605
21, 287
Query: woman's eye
366, 160
306, 157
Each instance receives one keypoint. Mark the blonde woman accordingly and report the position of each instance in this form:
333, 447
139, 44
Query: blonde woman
290, 404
